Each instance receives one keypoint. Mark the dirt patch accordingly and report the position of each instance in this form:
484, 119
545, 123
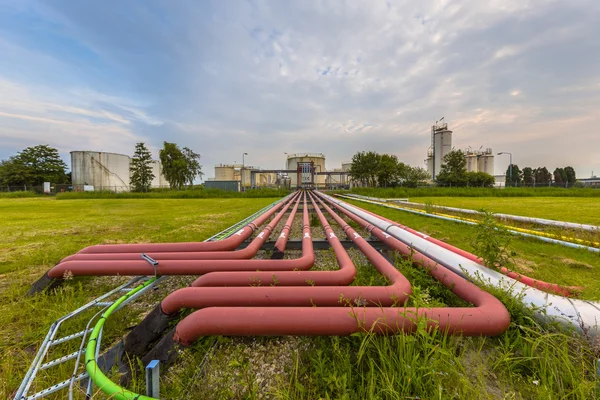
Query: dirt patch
569, 262
525, 266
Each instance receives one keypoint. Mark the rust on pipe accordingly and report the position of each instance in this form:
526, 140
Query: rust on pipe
221, 245
569, 291
246, 253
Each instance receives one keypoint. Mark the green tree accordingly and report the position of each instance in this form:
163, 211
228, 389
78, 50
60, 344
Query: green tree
364, 167
194, 169
454, 169
517, 175
141, 168
570, 175
33, 166
542, 176
174, 165
528, 176
480, 179
387, 170
415, 176
560, 177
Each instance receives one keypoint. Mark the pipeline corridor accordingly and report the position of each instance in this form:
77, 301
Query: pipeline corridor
239, 295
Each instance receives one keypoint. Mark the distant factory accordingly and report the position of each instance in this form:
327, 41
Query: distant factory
441, 144
301, 170
94, 170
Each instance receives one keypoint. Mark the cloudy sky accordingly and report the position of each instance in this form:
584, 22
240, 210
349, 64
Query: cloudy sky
268, 77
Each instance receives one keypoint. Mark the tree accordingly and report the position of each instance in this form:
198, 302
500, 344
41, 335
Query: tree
141, 169
454, 169
570, 176
560, 177
194, 169
528, 176
542, 176
480, 179
364, 167
174, 165
517, 175
414, 176
387, 170
33, 166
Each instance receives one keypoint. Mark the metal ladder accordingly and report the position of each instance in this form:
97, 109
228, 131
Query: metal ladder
104, 301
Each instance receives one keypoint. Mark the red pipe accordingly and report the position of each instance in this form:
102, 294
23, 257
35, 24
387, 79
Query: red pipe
568, 291
398, 292
488, 317
229, 243
344, 276
186, 267
282, 240
246, 253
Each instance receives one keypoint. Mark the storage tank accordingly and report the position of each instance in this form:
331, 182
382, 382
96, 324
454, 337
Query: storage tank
318, 160
159, 180
486, 162
442, 145
471, 162
246, 176
224, 172
104, 171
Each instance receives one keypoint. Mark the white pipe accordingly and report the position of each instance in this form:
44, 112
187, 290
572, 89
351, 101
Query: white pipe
580, 314
531, 220
457, 219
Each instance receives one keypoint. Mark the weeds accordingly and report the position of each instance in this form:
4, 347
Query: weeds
491, 241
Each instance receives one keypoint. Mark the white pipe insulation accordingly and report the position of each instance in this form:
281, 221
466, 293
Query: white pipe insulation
583, 315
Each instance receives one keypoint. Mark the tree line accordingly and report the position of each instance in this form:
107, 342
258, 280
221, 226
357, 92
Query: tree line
563, 177
384, 170
38, 164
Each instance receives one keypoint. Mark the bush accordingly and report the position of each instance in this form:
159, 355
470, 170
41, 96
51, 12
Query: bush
402, 192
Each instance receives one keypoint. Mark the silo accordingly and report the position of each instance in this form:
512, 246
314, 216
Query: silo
442, 144
224, 172
299, 159
246, 176
471, 161
486, 162
104, 171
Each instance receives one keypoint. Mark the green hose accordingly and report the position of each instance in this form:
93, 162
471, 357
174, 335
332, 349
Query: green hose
104, 384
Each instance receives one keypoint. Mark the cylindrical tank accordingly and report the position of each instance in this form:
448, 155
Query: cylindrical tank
104, 171
471, 162
224, 172
442, 142
486, 163
318, 159
429, 162
159, 179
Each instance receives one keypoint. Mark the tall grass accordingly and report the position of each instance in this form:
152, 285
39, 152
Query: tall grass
401, 192
174, 194
18, 195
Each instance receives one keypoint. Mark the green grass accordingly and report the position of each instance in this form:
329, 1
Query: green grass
529, 361
582, 210
36, 233
177, 194
476, 192
19, 195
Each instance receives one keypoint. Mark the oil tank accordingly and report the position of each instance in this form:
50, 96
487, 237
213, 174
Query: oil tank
104, 171
224, 172
318, 160
159, 180
486, 162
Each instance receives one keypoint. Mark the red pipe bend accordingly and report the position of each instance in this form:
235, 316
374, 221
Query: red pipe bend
245, 253
548, 287
229, 243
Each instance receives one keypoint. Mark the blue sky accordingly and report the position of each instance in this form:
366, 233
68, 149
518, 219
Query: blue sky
268, 77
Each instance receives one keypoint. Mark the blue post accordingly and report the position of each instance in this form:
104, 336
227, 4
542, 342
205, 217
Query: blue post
152, 379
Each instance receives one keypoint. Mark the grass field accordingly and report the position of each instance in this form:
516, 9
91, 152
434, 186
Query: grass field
585, 210
529, 361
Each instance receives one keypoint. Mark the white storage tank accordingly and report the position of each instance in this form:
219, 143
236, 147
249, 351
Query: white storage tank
471, 162
318, 160
486, 162
442, 141
159, 180
104, 171
224, 172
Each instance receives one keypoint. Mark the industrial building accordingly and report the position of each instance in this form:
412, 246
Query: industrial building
107, 171
441, 145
